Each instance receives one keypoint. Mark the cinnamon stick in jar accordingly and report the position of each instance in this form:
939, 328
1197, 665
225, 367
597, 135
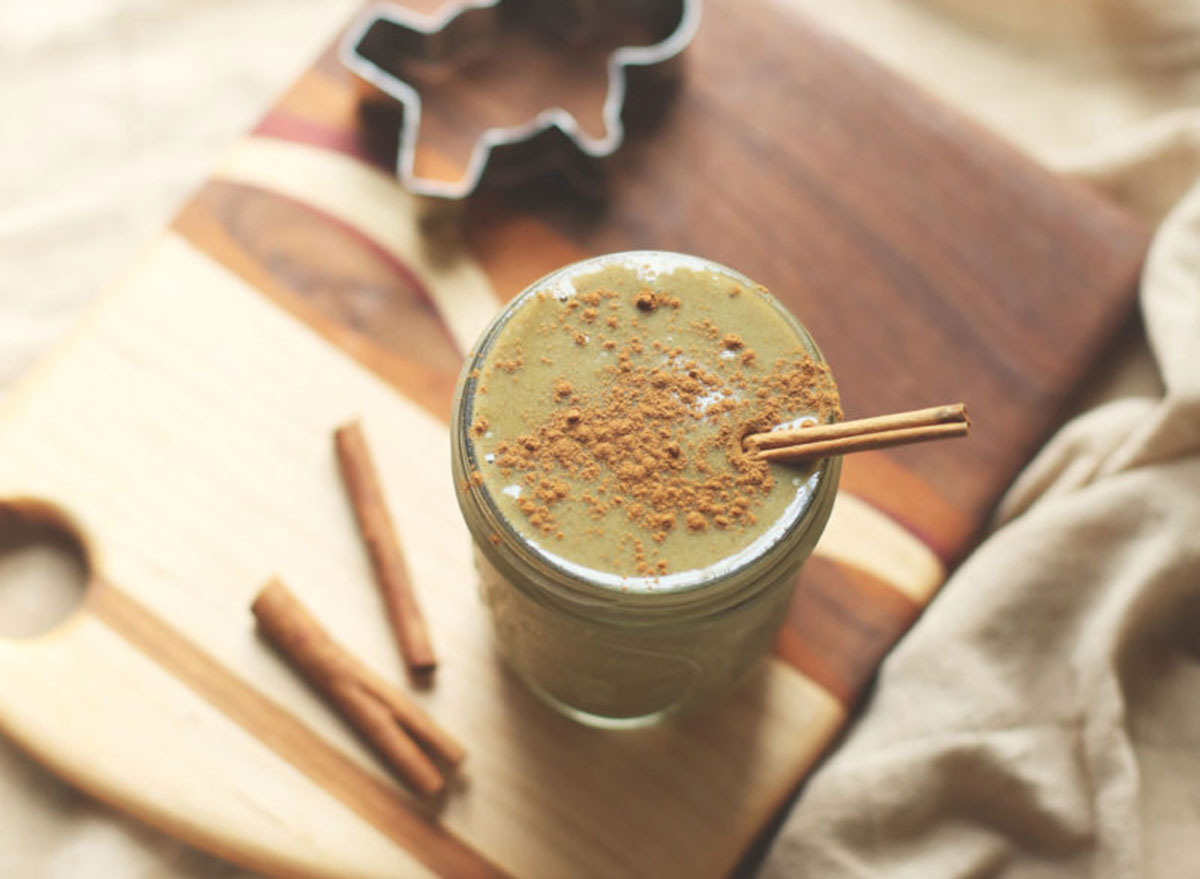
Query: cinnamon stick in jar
387, 559
802, 444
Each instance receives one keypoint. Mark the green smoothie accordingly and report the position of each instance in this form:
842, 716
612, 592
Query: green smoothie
609, 411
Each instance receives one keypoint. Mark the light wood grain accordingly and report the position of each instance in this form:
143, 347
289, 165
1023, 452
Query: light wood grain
159, 750
859, 536
187, 432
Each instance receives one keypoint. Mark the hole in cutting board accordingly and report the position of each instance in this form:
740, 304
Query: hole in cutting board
43, 569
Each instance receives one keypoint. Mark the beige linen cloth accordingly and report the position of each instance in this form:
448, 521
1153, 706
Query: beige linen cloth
1043, 718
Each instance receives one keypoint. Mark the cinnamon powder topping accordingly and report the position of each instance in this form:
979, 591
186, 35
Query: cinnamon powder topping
654, 436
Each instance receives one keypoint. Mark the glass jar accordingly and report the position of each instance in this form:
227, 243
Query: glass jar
619, 651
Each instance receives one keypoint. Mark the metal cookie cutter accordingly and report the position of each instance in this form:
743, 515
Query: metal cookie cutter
388, 33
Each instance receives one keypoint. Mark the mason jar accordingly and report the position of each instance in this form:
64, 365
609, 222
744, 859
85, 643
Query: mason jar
621, 650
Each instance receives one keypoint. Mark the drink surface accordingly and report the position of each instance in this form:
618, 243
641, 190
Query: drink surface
608, 411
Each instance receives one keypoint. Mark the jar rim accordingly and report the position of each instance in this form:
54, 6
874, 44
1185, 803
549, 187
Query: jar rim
697, 585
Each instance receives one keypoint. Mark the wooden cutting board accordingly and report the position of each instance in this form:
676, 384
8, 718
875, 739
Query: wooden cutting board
184, 433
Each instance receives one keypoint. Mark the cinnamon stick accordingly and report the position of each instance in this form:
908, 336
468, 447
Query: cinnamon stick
388, 719
796, 445
387, 559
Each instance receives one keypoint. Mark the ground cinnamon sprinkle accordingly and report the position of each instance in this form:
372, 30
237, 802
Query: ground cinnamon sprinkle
658, 438
646, 300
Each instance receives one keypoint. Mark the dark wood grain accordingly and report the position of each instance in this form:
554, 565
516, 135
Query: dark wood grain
840, 624
334, 279
931, 261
